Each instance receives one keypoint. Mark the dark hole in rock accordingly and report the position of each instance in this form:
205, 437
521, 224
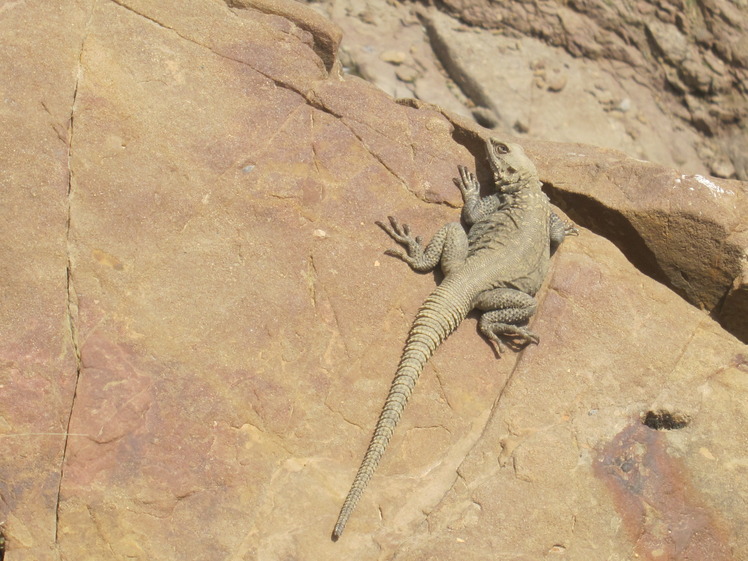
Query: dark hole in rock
665, 420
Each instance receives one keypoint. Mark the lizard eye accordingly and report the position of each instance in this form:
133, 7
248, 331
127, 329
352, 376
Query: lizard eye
501, 148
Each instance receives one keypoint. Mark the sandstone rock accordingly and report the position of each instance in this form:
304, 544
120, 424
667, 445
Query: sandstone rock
393, 57
687, 231
199, 324
493, 70
681, 65
37, 359
372, 29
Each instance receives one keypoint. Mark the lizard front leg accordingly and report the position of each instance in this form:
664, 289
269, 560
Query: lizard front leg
559, 231
504, 312
476, 208
448, 247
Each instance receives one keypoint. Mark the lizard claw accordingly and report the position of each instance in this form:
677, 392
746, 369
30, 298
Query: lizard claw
500, 346
524, 335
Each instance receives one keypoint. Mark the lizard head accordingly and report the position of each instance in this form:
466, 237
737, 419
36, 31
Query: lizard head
512, 169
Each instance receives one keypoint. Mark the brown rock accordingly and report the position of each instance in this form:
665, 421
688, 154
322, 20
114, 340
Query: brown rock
697, 50
557, 96
566, 446
325, 36
686, 231
393, 57
41, 45
196, 294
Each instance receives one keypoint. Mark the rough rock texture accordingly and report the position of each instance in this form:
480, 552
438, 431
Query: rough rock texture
37, 357
661, 80
687, 231
199, 325
696, 51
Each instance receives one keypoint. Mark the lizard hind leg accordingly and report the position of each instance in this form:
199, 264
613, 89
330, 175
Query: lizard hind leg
505, 310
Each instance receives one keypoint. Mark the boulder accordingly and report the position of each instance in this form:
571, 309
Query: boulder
199, 325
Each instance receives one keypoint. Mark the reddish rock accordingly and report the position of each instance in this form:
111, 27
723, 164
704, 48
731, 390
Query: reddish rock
200, 326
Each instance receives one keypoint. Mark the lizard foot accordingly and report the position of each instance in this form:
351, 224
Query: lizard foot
570, 229
401, 234
467, 183
520, 336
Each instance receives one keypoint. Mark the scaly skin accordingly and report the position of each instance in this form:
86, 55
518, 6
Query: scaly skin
496, 267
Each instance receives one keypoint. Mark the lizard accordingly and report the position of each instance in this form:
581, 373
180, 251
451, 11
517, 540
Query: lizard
495, 266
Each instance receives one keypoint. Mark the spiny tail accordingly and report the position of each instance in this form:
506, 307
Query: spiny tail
438, 317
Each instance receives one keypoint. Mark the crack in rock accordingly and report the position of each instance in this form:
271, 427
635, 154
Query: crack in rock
71, 295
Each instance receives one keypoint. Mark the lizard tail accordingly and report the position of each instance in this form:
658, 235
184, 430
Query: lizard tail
438, 317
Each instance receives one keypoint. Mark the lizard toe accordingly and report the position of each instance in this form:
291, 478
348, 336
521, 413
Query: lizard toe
395, 253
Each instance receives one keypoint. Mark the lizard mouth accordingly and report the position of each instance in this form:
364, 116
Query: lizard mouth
495, 167
501, 170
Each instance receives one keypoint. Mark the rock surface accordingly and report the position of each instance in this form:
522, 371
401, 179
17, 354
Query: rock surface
686, 231
199, 325
661, 81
